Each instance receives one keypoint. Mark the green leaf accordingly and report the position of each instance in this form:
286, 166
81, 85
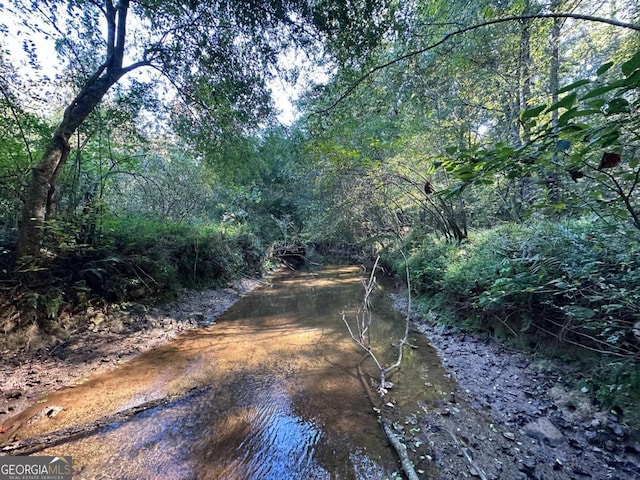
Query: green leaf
633, 80
488, 12
612, 307
533, 112
563, 145
597, 103
451, 150
617, 105
573, 113
456, 189
595, 298
574, 85
632, 64
565, 102
465, 174
579, 312
599, 91
604, 68
604, 137
575, 127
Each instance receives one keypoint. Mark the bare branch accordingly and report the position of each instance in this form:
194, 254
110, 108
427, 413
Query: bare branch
122, 7
11, 105
110, 15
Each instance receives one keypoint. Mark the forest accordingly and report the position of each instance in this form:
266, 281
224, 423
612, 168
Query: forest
490, 148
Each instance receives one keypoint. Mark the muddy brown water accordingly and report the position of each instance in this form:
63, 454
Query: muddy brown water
274, 393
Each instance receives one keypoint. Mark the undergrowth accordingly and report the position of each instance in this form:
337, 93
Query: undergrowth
575, 283
133, 259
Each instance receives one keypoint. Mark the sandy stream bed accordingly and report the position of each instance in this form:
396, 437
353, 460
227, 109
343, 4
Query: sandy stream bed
511, 416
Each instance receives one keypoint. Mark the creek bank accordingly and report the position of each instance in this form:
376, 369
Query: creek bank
106, 341
510, 418
514, 417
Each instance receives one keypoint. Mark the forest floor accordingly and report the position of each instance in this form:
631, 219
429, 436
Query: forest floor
511, 416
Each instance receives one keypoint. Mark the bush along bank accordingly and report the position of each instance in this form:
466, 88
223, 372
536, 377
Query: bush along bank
134, 259
568, 289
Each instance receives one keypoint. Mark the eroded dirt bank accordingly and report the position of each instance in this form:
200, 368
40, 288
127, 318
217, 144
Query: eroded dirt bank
105, 343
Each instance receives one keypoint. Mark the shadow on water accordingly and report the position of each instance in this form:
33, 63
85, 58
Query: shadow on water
277, 393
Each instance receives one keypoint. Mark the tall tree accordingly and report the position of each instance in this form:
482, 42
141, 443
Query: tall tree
216, 53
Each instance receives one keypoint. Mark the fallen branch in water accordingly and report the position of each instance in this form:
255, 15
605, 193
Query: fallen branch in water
363, 340
399, 447
363, 325
33, 445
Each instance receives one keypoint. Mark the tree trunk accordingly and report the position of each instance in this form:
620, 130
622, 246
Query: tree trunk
42, 186
554, 85
525, 192
39, 196
41, 191
554, 71
524, 68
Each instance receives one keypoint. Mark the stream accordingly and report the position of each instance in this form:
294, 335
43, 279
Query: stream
269, 391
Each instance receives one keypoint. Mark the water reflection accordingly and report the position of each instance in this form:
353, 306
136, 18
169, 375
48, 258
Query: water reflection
259, 437
275, 396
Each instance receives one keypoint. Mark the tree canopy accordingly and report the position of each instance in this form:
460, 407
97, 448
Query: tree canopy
215, 54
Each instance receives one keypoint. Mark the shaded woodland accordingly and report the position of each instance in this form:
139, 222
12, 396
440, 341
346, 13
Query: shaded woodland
490, 148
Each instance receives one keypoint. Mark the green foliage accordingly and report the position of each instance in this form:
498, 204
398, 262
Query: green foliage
21, 140
427, 262
572, 283
137, 259
585, 159
618, 385
446, 153
178, 253
572, 280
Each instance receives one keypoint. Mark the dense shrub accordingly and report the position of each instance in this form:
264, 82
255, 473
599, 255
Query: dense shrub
132, 259
575, 282
191, 255
427, 258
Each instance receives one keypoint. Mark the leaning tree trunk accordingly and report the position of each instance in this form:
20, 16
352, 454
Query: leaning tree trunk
39, 196
43, 180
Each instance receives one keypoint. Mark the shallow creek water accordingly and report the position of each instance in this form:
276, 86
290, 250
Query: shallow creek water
271, 392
